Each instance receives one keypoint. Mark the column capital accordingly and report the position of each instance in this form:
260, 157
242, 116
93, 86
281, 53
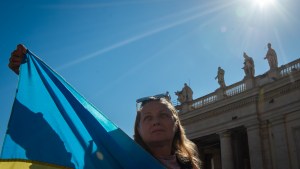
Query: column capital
253, 126
277, 120
224, 133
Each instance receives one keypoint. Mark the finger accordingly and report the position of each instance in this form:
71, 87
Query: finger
15, 59
11, 65
13, 53
16, 56
14, 67
17, 53
14, 64
21, 49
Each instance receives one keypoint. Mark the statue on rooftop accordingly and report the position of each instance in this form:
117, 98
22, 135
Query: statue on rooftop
248, 66
271, 56
185, 95
220, 77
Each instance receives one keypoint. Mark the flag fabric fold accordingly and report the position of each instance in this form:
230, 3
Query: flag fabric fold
53, 126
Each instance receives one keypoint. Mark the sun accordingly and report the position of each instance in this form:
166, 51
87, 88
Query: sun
263, 3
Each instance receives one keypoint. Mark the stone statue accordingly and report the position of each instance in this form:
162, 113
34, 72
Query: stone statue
168, 96
220, 77
248, 66
271, 57
180, 98
185, 95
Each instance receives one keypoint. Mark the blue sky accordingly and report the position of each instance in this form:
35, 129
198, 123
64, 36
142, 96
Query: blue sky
114, 52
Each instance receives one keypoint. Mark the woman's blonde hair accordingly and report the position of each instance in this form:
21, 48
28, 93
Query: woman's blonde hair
181, 146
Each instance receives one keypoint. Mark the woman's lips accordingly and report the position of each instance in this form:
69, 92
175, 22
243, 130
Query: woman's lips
157, 130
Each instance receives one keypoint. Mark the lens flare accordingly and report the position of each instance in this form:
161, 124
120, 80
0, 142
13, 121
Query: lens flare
263, 3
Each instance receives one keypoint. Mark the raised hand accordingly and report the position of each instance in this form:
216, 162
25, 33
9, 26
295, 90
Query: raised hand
16, 58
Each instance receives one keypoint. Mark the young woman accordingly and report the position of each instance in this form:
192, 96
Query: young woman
158, 130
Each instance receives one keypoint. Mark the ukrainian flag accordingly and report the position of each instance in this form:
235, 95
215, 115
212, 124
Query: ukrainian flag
52, 126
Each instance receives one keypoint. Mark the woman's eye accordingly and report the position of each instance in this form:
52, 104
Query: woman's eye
147, 118
165, 115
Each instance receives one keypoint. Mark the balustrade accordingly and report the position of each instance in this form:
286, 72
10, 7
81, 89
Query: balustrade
289, 68
241, 86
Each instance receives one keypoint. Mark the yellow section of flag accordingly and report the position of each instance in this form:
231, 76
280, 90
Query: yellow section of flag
24, 164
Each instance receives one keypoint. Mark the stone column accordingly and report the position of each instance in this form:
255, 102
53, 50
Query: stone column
217, 160
266, 146
255, 149
226, 150
280, 145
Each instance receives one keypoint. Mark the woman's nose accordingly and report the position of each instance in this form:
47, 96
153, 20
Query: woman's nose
156, 121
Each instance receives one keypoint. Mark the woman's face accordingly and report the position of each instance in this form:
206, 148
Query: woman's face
157, 125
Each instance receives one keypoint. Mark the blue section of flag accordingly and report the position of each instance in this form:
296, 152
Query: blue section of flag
52, 123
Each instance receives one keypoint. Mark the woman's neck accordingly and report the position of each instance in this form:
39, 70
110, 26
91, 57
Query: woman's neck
161, 150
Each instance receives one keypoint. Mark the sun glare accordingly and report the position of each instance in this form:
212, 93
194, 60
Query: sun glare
263, 3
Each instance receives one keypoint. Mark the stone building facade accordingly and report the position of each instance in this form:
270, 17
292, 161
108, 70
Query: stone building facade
254, 123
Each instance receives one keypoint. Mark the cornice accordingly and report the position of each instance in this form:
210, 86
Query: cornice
268, 91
